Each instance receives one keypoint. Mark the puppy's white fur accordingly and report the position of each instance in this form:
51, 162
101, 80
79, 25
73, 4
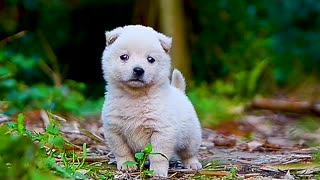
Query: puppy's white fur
146, 109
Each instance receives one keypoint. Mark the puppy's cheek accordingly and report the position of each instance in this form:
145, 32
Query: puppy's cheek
148, 77
115, 77
162, 74
152, 78
119, 73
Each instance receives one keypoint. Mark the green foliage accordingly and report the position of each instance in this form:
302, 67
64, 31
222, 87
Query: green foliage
240, 50
20, 158
316, 156
21, 91
222, 100
28, 155
215, 166
244, 84
228, 41
215, 103
233, 36
141, 158
295, 35
70, 167
232, 175
309, 123
228, 37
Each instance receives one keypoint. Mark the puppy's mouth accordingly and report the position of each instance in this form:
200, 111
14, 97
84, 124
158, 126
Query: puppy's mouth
136, 82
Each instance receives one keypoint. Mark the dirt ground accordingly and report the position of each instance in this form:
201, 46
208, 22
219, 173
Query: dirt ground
261, 145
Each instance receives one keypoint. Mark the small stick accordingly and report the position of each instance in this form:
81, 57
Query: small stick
286, 106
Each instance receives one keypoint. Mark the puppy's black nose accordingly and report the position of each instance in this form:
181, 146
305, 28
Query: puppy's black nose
138, 71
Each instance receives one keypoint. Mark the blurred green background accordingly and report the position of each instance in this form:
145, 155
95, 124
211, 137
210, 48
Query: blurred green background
229, 50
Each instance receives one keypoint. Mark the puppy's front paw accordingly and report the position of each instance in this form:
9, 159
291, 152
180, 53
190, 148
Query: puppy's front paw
121, 165
192, 163
160, 169
160, 173
130, 168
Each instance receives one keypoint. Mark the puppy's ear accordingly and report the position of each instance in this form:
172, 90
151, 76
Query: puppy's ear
165, 42
111, 36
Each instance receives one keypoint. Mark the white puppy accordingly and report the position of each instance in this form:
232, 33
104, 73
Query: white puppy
141, 106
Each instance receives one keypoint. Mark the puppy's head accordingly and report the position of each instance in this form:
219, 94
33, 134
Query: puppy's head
136, 56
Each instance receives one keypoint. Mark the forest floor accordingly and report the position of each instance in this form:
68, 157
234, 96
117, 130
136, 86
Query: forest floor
260, 145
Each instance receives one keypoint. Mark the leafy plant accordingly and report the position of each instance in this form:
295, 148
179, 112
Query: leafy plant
141, 158
232, 175
216, 166
71, 166
20, 158
25, 154
246, 82
22, 90
214, 106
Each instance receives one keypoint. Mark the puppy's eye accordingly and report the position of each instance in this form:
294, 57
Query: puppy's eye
124, 57
150, 59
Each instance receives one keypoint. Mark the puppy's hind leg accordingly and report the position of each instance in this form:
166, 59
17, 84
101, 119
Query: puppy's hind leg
192, 163
189, 158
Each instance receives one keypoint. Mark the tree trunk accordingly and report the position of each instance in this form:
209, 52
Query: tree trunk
172, 20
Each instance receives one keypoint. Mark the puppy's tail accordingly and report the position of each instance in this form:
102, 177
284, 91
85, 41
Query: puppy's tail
178, 81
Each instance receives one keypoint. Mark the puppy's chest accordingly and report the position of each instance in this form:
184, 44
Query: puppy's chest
132, 108
135, 121
133, 115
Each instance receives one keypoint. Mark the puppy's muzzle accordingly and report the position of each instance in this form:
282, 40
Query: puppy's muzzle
137, 76
138, 71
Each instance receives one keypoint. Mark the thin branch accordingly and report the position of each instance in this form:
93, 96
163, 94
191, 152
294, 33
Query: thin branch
55, 74
13, 37
103, 158
286, 106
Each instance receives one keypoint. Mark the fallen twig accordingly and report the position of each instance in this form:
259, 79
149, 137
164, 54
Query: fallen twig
213, 173
99, 158
185, 171
13, 37
301, 107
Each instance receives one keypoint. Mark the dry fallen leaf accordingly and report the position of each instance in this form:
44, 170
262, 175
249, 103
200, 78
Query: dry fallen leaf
253, 145
221, 140
288, 176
